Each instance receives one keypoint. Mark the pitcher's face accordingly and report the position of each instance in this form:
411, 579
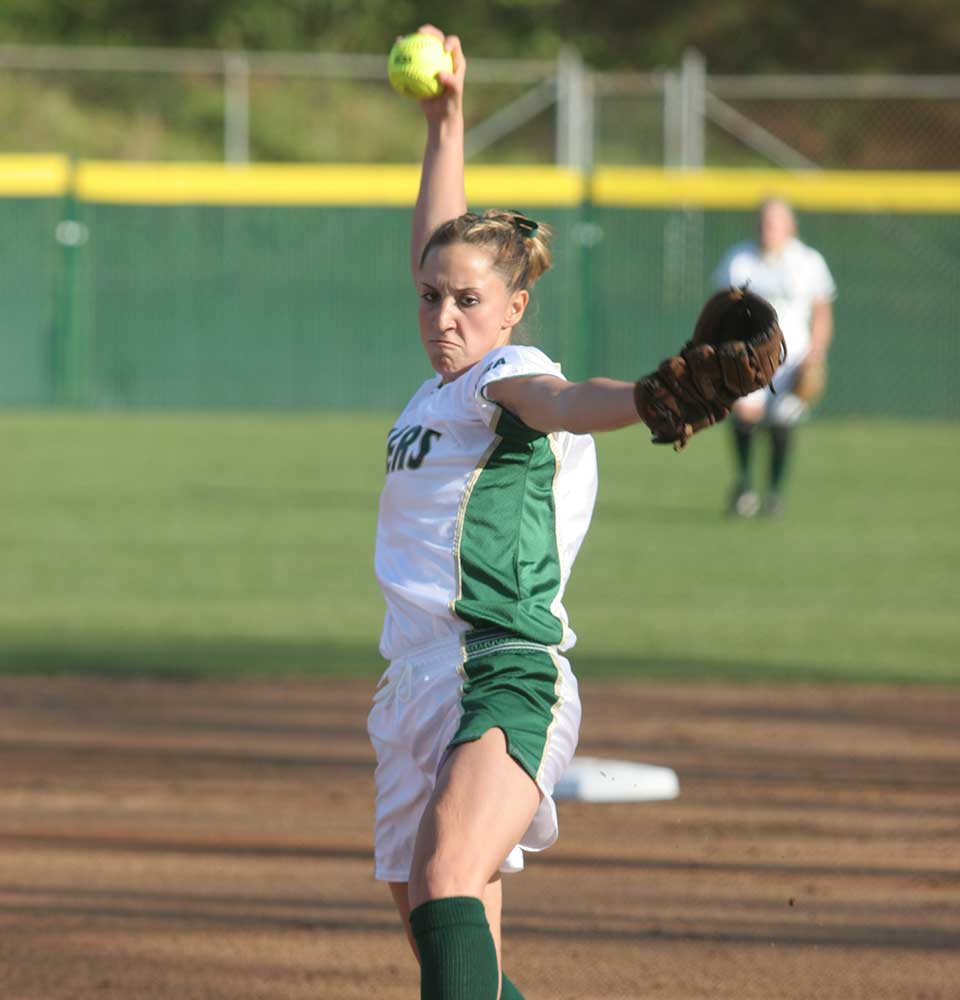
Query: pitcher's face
466, 308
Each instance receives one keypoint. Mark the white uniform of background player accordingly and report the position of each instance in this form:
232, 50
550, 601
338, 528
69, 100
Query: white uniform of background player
797, 282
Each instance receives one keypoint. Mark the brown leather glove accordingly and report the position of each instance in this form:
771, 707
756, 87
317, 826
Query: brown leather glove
736, 348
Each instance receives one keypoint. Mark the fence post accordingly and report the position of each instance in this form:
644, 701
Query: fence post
236, 107
575, 128
693, 89
574, 112
684, 110
66, 348
672, 119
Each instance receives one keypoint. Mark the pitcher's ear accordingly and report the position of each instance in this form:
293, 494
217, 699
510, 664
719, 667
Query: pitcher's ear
517, 307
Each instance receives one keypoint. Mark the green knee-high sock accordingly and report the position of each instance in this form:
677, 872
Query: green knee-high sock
458, 960
508, 991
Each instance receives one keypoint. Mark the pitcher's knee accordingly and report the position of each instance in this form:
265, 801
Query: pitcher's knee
443, 874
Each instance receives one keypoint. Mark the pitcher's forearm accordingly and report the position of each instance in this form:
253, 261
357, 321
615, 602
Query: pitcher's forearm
547, 403
597, 404
442, 194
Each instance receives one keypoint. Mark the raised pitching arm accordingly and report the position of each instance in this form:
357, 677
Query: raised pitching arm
442, 194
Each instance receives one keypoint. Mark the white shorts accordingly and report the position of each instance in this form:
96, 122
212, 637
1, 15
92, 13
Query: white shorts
780, 408
452, 692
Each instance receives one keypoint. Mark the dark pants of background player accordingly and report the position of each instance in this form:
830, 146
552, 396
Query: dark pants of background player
745, 501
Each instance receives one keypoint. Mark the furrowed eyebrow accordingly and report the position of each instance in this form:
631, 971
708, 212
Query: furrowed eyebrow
457, 291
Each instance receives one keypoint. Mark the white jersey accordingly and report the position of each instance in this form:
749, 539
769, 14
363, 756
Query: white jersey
481, 517
791, 280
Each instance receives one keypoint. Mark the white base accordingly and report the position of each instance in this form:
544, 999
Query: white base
593, 779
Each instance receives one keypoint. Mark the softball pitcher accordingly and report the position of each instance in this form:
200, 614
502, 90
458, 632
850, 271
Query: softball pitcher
490, 485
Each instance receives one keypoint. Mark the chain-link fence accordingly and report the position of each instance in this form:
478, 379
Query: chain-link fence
167, 302
158, 104
134, 287
852, 123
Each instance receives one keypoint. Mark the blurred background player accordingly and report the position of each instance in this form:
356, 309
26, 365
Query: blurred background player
796, 280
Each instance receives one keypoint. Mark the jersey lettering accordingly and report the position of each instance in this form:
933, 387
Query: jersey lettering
400, 444
425, 441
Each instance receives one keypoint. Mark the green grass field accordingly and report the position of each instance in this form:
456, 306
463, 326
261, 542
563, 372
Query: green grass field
186, 544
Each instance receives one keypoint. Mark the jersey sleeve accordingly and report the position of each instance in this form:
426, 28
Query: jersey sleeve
511, 361
822, 285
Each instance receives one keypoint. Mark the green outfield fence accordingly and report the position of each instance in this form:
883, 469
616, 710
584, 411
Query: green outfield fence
200, 286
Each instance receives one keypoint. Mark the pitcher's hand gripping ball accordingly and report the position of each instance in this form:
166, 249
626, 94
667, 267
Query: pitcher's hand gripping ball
737, 347
415, 61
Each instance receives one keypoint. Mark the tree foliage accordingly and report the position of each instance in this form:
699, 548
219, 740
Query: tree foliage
743, 36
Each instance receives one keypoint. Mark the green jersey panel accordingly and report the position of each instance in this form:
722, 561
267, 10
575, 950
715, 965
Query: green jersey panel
508, 562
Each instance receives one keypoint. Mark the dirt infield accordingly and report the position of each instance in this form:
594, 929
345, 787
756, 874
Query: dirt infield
187, 840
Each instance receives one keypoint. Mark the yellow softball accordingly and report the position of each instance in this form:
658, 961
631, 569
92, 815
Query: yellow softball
415, 61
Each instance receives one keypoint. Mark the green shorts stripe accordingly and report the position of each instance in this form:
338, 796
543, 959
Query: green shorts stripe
513, 685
